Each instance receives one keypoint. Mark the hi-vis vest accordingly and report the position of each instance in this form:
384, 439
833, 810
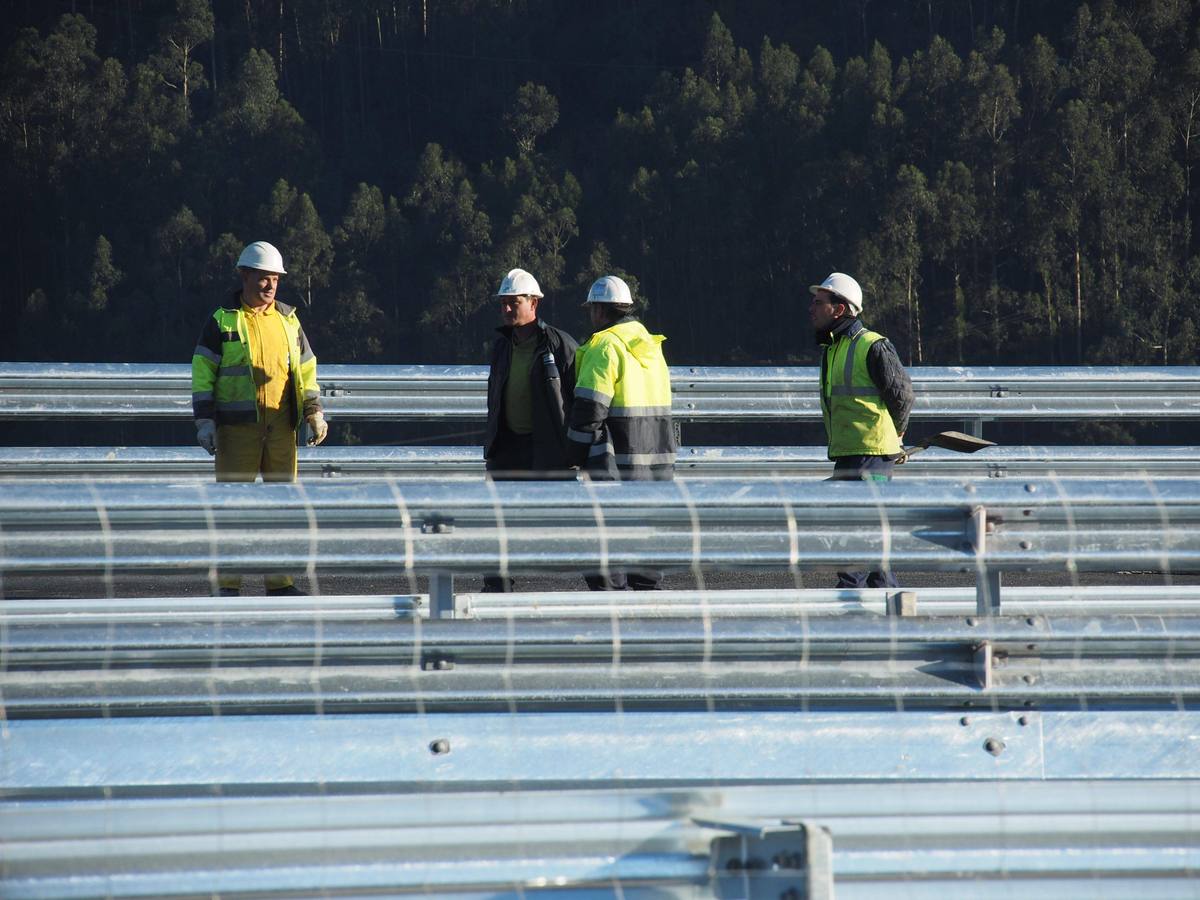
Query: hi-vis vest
222, 384
857, 421
622, 402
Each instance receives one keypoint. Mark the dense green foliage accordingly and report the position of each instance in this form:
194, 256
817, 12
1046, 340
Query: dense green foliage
1012, 183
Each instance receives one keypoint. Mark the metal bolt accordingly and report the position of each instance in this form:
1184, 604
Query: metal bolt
1031, 488
1031, 646
440, 746
1025, 545
994, 746
969, 488
1029, 704
972, 621
1023, 720
1030, 620
965, 720
1028, 679
1027, 512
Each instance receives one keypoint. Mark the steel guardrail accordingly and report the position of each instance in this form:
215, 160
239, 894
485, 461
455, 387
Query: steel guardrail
248, 667
127, 391
1092, 599
571, 527
1125, 838
443, 463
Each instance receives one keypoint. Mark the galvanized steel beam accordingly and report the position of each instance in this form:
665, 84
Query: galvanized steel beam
447, 463
575, 527
394, 393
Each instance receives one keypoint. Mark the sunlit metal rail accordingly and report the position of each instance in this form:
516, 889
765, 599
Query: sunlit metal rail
701, 525
727, 394
423, 463
1099, 600
405, 665
1047, 839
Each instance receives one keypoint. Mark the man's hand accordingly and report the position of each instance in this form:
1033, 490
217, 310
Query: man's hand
206, 435
318, 429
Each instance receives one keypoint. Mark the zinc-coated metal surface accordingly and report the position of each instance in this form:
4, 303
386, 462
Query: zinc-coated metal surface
1092, 600
128, 390
1065, 838
576, 527
518, 750
444, 463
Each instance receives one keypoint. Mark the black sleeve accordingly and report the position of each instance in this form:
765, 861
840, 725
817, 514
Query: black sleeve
566, 370
885, 369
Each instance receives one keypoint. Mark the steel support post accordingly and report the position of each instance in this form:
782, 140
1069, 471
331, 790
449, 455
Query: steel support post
441, 595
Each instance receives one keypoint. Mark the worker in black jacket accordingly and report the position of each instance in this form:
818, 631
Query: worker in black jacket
530, 387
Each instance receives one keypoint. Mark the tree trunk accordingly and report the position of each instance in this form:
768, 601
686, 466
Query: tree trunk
960, 316
1078, 303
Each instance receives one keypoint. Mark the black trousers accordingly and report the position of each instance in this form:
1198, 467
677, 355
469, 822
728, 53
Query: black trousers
864, 468
512, 457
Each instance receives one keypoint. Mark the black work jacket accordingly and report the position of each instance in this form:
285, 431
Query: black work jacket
552, 380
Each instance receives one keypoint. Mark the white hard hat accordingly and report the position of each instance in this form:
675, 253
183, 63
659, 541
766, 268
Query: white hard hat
844, 287
262, 256
609, 289
517, 283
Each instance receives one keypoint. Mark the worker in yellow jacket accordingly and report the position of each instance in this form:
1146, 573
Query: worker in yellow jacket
620, 426
254, 383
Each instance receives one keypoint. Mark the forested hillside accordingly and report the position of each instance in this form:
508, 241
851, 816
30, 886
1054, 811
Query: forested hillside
1012, 182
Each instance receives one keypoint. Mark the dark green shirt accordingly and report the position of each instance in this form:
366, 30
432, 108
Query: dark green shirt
518, 398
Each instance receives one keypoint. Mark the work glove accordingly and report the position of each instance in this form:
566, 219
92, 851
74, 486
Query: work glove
317, 428
206, 435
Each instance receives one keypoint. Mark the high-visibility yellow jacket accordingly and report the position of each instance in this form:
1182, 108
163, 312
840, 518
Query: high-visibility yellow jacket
223, 385
857, 420
620, 420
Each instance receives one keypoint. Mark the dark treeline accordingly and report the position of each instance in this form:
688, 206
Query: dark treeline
1012, 182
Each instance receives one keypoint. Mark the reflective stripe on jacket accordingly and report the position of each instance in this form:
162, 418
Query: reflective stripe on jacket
222, 380
621, 418
857, 421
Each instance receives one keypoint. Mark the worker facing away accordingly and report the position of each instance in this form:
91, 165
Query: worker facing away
530, 385
254, 383
620, 424
866, 396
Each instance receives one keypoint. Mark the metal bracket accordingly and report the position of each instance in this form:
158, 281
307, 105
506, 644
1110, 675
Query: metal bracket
791, 858
987, 581
441, 595
983, 662
901, 603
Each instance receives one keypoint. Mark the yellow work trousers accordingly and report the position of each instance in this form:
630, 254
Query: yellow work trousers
266, 447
